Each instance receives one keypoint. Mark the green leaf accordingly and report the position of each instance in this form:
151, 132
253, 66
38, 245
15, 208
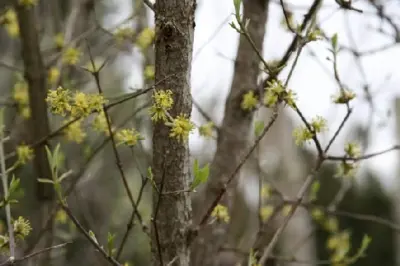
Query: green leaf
45, 180
93, 236
237, 3
110, 243
334, 40
14, 185
200, 174
258, 128
314, 190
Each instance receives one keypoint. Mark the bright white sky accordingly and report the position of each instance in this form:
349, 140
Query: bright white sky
312, 80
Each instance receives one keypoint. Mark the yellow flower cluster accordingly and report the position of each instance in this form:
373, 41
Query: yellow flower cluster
59, 40
276, 92
28, 3
53, 75
266, 212
206, 130
181, 127
129, 137
100, 124
80, 104
162, 103
10, 22
74, 131
145, 38
220, 212
348, 168
149, 72
71, 56
22, 227
344, 97
21, 97
303, 134
249, 101
24, 153
123, 34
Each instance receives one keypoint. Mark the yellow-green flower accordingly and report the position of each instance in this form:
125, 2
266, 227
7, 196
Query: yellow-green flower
100, 124
123, 34
181, 127
22, 227
28, 3
53, 75
266, 212
59, 101
10, 22
301, 135
265, 191
145, 38
331, 224
346, 169
162, 103
59, 40
61, 217
352, 150
84, 104
286, 210
21, 97
129, 137
24, 153
71, 56
221, 213
74, 132
149, 72
249, 101
318, 124
344, 96
317, 214
206, 130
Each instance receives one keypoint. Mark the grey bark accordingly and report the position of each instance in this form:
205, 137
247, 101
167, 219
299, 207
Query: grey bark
35, 75
173, 52
234, 134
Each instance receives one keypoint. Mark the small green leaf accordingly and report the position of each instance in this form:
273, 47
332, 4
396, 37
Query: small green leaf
258, 128
14, 185
334, 40
110, 243
45, 180
237, 3
93, 236
200, 174
314, 190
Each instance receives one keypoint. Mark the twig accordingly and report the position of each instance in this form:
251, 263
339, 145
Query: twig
34, 254
4, 179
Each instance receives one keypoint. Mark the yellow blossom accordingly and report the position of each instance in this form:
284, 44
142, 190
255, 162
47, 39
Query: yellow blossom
128, 137
59, 40
317, 214
181, 127
71, 56
265, 191
149, 72
74, 132
21, 97
28, 3
344, 97
61, 217
162, 103
145, 38
249, 101
100, 123
206, 130
266, 212
59, 101
331, 224
22, 227
24, 153
286, 210
123, 34
10, 22
84, 104
53, 75
221, 213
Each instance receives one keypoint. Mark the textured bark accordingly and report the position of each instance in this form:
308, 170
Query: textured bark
35, 75
233, 138
172, 212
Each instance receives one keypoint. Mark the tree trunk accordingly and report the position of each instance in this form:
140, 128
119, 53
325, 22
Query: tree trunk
233, 138
172, 212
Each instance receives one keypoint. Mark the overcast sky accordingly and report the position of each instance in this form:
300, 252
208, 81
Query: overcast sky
216, 44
